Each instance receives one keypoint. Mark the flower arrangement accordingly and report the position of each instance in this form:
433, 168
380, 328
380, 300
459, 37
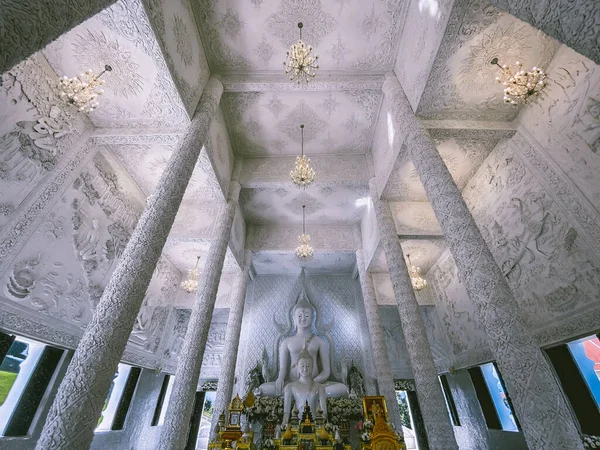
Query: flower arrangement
591, 441
263, 408
366, 425
340, 408
365, 437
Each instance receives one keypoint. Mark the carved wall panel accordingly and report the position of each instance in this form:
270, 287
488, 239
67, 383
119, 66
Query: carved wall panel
394, 342
454, 310
571, 105
36, 131
174, 26
463, 156
271, 297
543, 251
62, 270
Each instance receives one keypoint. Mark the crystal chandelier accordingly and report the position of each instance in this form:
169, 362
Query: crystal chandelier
83, 90
520, 86
300, 65
190, 284
304, 250
418, 282
303, 174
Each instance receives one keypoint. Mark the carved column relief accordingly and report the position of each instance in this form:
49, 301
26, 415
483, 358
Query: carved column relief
177, 420
574, 23
232, 341
383, 369
538, 400
433, 406
78, 403
27, 28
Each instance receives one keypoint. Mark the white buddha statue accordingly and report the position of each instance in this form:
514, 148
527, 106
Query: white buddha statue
290, 348
305, 391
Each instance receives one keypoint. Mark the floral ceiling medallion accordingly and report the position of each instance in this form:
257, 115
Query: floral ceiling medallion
301, 64
83, 90
190, 284
520, 86
418, 282
304, 251
303, 174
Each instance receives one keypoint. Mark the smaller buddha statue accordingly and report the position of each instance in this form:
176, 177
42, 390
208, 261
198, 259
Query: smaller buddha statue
305, 391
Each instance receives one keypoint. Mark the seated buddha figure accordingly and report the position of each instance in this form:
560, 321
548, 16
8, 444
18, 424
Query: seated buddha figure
290, 348
305, 391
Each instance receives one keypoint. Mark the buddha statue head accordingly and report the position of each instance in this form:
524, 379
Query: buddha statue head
303, 314
305, 364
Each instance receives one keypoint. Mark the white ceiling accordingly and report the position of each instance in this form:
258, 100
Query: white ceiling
259, 121
245, 36
139, 91
268, 123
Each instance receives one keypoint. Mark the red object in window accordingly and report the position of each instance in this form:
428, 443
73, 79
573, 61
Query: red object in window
592, 351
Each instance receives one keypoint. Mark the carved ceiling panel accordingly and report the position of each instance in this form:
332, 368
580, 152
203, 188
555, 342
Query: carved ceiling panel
182, 252
461, 83
330, 169
175, 27
415, 218
185, 300
423, 254
139, 91
268, 123
202, 198
462, 156
269, 262
242, 36
330, 205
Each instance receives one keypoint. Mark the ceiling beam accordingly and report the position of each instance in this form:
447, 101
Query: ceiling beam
325, 81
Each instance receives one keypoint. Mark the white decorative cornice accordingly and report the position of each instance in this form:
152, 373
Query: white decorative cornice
142, 136
325, 81
281, 238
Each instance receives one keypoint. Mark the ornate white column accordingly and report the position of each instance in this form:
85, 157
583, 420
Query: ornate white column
78, 404
383, 369
177, 420
575, 23
27, 26
433, 406
535, 393
232, 341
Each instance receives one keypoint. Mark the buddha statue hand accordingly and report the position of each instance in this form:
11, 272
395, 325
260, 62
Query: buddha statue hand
279, 383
